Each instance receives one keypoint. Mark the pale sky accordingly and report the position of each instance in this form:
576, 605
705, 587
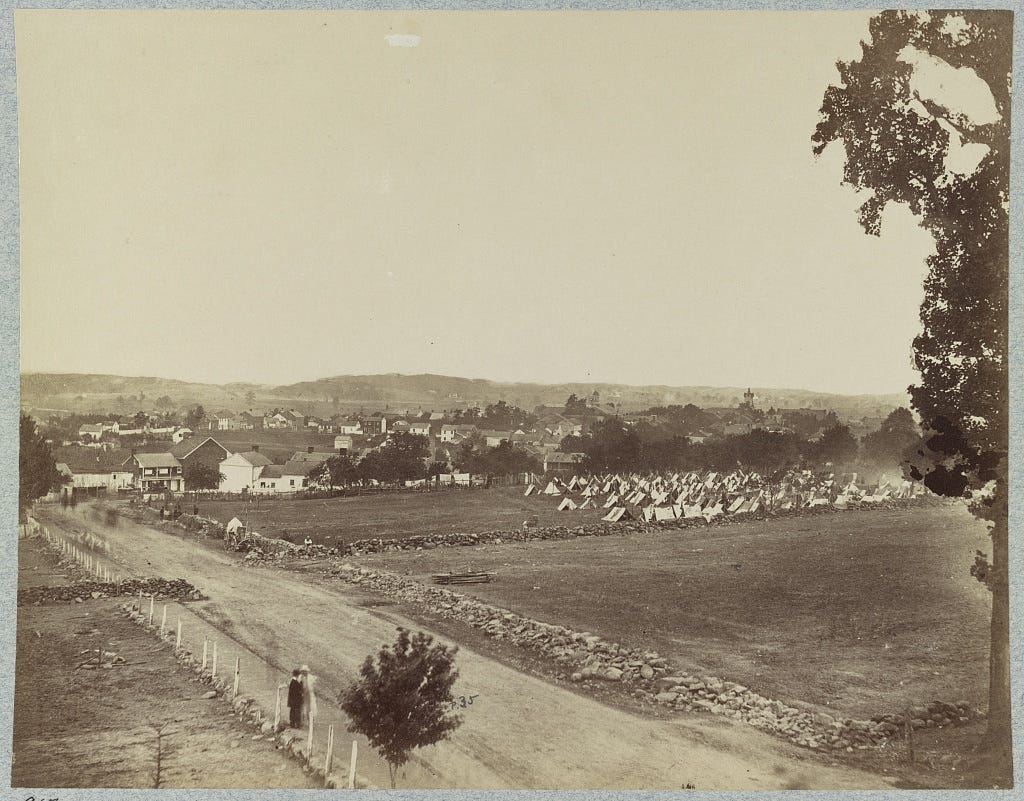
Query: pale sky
620, 197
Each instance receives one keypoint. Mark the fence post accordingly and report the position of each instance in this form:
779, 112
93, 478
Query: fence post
309, 738
205, 644
213, 672
163, 621
151, 602
330, 752
277, 710
177, 640
238, 663
140, 602
352, 767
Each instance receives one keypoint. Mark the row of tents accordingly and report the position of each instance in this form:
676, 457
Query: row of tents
707, 494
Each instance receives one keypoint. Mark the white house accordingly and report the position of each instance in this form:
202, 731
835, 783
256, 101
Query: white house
181, 434
343, 442
494, 438
420, 428
241, 471
350, 427
270, 480
88, 474
88, 431
449, 433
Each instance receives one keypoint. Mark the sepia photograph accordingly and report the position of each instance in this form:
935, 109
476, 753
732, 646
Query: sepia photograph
512, 400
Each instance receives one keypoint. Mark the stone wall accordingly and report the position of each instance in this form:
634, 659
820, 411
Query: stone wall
176, 589
650, 679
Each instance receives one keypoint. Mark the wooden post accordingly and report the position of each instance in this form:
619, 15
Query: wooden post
151, 601
330, 752
277, 710
163, 621
177, 640
352, 767
238, 663
214, 671
309, 738
206, 643
140, 602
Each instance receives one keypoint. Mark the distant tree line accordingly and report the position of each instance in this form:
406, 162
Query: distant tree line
611, 446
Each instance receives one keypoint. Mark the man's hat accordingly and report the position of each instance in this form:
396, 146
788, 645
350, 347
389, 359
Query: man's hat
304, 669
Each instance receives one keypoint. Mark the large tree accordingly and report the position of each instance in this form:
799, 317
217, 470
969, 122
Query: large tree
910, 139
37, 471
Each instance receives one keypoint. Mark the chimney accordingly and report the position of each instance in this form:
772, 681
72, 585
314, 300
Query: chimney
255, 448
309, 449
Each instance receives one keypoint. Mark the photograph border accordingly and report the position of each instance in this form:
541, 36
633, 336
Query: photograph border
9, 368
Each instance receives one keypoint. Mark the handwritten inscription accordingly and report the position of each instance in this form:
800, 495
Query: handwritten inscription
462, 701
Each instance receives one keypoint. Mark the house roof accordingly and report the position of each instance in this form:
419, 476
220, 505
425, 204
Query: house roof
90, 460
224, 414
184, 448
255, 458
156, 460
295, 467
273, 471
314, 458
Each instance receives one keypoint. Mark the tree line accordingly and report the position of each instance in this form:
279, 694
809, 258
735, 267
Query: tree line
611, 447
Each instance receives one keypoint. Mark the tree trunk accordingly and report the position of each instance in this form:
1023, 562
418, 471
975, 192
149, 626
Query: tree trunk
998, 739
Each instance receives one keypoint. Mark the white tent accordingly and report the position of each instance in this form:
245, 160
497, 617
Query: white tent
612, 500
616, 514
648, 513
233, 525
664, 513
551, 489
713, 511
567, 504
529, 490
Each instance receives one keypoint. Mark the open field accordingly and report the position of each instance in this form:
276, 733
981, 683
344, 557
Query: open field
339, 521
91, 728
860, 612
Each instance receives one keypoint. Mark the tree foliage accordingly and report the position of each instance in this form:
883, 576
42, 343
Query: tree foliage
338, 471
37, 471
902, 143
401, 458
837, 446
402, 700
199, 476
898, 435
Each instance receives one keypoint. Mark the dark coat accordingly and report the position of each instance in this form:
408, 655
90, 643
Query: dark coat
294, 694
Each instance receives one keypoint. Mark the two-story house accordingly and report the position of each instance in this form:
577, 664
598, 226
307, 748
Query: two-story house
156, 472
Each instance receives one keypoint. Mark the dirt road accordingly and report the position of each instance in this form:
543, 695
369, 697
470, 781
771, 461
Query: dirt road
521, 733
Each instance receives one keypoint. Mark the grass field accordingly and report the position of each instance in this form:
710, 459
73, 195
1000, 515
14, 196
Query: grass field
339, 521
861, 612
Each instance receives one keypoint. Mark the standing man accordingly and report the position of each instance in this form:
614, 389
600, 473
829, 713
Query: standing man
295, 701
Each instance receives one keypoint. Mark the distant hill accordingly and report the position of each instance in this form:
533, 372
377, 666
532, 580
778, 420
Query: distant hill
56, 393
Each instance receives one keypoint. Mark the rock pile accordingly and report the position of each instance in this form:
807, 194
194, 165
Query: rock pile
177, 589
649, 677
526, 534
